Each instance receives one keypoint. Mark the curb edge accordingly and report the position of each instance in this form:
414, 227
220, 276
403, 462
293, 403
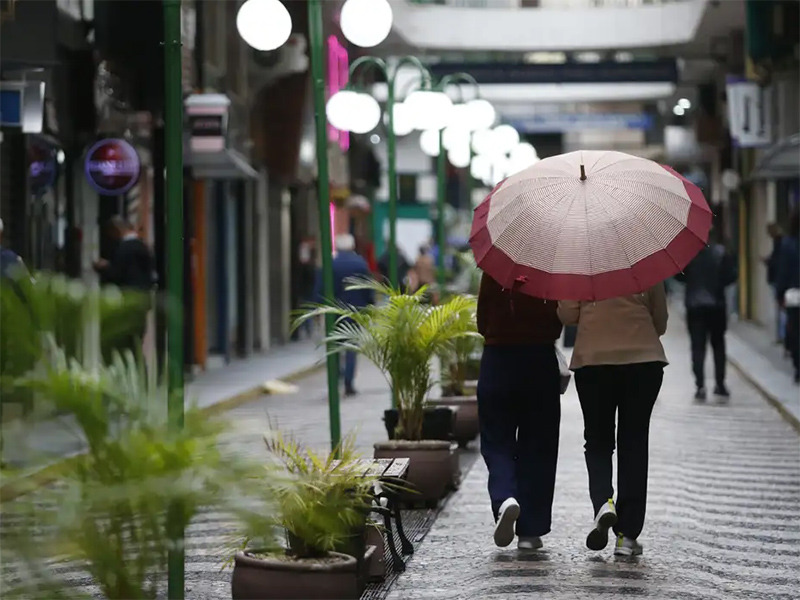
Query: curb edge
52, 472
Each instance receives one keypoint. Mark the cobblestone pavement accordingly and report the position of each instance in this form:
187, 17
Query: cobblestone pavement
723, 519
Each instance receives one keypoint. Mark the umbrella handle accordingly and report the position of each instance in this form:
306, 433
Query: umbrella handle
583, 173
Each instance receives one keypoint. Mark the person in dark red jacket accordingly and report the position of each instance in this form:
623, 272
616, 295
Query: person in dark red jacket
519, 409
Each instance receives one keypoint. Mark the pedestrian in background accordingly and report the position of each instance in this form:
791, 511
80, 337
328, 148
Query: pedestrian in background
347, 264
519, 410
132, 268
706, 278
619, 363
403, 268
776, 234
425, 272
787, 290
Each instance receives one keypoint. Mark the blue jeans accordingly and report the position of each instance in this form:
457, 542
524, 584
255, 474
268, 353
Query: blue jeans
349, 371
519, 409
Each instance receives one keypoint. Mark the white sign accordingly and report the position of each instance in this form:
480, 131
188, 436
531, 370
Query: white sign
749, 113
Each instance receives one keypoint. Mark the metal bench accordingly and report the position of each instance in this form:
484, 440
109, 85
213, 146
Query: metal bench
389, 471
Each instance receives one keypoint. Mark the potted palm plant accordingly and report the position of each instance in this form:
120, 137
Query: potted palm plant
458, 366
401, 336
322, 504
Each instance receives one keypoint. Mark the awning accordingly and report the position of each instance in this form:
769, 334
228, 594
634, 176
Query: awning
225, 164
780, 161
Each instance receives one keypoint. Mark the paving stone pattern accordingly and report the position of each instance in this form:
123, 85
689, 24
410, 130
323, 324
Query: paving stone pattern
723, 517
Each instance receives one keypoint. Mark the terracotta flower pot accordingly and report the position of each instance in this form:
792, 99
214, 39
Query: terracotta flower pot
466, 426
430, 468
334, 577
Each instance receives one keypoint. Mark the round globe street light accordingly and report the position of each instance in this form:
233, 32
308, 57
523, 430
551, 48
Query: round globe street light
339, 109
481, 167
455, 138
481, 114
459, 157
264, 24
429, 143
429, 109
397, 119
366, 23
483, 142
505, 138
403, 121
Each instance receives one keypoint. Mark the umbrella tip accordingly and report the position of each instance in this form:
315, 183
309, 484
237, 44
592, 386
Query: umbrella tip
583, 173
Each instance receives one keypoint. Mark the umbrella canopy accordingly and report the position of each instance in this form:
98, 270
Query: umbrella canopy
589, 225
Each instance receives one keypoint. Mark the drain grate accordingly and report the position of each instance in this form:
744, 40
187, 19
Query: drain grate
417, 524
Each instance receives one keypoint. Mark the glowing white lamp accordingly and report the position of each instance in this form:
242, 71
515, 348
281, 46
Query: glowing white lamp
481, 114
366, 114
339, 109
366, 23
505, 138
264, 24
454, 138
429, 109
481, 167
429, 142
483, 141
403, 122
459, 157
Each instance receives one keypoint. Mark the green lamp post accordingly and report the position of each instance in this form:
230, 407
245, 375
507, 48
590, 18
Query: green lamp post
358, 112
173, 163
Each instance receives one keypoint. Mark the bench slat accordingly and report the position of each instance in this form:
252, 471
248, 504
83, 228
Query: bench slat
398, 468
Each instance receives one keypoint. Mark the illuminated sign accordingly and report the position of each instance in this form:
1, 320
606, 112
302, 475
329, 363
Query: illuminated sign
112, 167
338, 76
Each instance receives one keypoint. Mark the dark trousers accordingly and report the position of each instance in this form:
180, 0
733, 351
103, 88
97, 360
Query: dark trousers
519, 407
793, 336
707, 324
349, 371
629, 393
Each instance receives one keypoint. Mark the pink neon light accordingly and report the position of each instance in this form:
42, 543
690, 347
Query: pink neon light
338, 74
333, 220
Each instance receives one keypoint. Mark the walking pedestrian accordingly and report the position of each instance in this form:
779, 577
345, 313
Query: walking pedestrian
787, 290
425, 272
618, 363
347, 264
519, 410
771, 262
133, 269
706, 278
403, 268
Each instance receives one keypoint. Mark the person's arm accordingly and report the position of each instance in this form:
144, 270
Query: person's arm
657, 297
730, 270
569, 312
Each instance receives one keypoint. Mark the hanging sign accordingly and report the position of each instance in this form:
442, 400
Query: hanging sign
112, 167
749, 113
208, 122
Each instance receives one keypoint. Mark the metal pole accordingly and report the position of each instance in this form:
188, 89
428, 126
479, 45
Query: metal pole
441, 181
316, 39
391, 147
173, 161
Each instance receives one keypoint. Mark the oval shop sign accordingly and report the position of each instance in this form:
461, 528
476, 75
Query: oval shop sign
112, 167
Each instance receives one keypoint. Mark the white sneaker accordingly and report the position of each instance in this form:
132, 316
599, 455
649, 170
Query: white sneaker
627, 547
506, 520
529, 543
606, 518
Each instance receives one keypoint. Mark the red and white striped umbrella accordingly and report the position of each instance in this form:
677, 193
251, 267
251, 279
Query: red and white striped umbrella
589, 225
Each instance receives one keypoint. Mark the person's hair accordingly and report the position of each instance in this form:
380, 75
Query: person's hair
774, 230
424, 249
120, 223
345, 242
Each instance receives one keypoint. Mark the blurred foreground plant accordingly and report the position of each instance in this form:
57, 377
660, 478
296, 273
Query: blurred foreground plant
110, 512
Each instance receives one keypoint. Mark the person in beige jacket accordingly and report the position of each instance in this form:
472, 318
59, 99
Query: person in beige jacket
619, 363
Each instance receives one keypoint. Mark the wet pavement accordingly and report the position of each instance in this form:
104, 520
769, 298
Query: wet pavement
723, 517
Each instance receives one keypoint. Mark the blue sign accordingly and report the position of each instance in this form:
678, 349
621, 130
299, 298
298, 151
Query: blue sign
112, 167
11, 108
561, 122
654, 71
